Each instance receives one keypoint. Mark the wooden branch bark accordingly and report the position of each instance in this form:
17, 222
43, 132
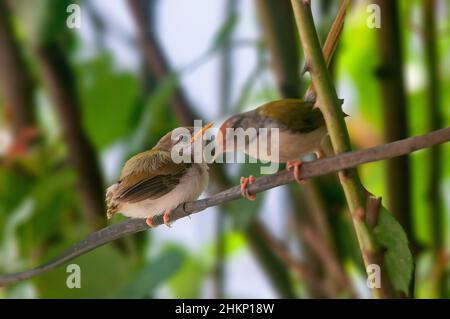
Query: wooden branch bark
311, 169
15, 81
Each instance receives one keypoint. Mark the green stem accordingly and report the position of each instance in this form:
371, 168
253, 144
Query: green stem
331, 109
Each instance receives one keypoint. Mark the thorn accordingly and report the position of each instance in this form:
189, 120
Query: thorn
306, 68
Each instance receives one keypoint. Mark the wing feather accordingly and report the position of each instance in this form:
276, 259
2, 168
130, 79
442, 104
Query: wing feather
149, 175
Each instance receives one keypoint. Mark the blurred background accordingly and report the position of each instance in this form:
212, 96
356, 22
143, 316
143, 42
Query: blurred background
76, 101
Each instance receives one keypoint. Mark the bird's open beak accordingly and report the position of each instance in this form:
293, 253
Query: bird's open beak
201, 132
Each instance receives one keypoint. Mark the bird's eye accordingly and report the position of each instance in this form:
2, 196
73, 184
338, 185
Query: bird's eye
182, 138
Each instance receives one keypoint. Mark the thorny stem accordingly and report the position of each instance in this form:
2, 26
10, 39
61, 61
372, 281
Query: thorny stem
331, 109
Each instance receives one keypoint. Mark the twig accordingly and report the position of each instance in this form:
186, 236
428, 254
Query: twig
301, 270
331, 43
310, 169
15, 80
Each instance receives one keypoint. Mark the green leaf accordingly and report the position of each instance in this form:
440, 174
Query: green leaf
154, 274
187, 283
108, 99
398, 259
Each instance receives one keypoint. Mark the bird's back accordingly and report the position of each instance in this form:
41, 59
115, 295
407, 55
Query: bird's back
295, 115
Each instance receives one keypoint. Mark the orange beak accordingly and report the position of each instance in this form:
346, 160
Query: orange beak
201, 132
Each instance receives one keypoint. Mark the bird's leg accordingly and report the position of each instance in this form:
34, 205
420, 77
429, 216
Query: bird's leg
320, 154
296, 165
244, 184
166, 218
149, 222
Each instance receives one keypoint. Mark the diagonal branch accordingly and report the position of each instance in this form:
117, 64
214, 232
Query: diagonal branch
16, 84
311, 169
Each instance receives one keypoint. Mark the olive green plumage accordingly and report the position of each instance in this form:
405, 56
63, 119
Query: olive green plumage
294, 114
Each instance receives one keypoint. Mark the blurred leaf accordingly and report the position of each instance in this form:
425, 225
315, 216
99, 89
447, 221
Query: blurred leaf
53, 195
45, 19
108, 98
9, 241
154, 274
391, 236
158, 117
187, 282
104, 272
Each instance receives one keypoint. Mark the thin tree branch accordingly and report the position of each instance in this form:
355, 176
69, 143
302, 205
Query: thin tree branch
157, 61
310, 169
15, 80
330, 106
331, 43
59, 79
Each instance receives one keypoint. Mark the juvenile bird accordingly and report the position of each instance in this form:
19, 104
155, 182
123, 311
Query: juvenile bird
152, 183
302, 131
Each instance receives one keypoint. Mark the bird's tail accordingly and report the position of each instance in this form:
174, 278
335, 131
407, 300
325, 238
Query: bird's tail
111, 205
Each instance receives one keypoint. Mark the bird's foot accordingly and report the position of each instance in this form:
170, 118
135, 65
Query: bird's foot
296, 165
149, 222
166, 218
244, 184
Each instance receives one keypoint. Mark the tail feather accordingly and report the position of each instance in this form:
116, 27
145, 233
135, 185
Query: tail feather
111, 204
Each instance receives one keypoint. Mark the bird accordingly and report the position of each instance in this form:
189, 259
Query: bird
152, 183
302, 131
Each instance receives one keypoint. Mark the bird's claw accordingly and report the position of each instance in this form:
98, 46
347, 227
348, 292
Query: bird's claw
166, 219
244, 184
296, 165
149, 222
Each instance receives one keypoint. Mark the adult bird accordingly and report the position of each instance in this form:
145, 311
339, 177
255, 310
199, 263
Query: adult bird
152, 183
302, 131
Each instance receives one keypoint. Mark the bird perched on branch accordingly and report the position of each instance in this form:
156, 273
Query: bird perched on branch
152, 182
302, 131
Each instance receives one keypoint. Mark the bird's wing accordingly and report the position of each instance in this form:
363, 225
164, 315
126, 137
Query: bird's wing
148, 175
293, 114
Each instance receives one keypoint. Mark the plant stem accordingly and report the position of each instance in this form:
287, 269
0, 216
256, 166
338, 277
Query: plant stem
334, 118
434, 121
390, 74
15, 80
